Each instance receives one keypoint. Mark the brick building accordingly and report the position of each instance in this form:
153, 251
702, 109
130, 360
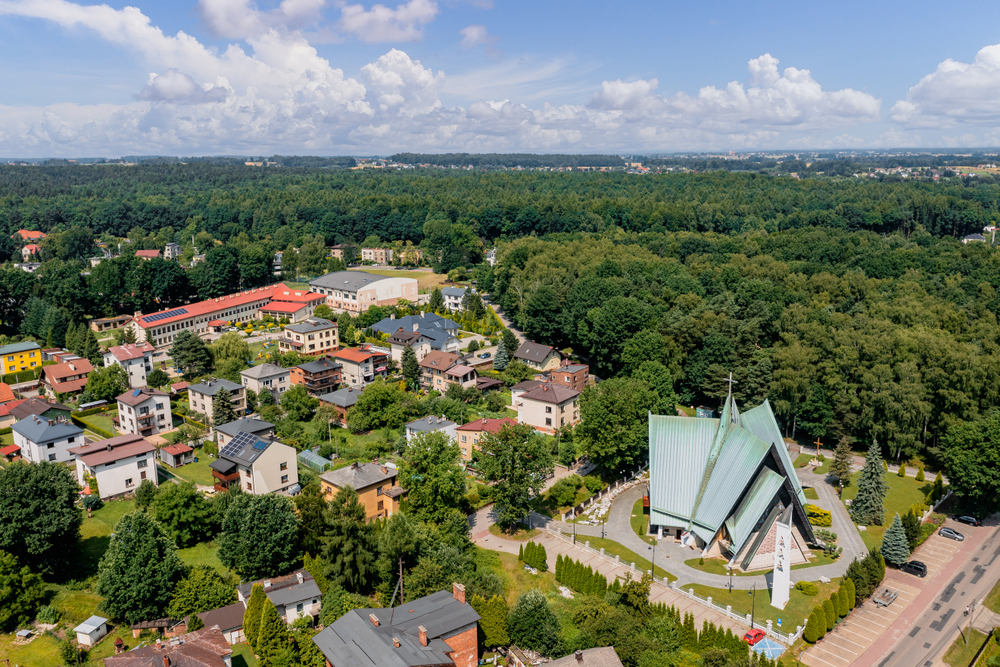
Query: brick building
318, 377
573, 376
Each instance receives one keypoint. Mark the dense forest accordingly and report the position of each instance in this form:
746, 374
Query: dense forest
487, 160
850, 303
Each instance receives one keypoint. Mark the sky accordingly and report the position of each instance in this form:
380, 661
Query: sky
353, 77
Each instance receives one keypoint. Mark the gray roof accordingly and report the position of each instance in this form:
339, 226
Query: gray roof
350, 281
243, 449
354, 641
19, 347
320, 365
248, 424
454, 291
345, 398
532, 351
91, 624
211, 387
429, 423
311, 325
264, 370
228, 618
285, 590
573, 368
438, 337
38, 429
359, 475
425, 323
603, 656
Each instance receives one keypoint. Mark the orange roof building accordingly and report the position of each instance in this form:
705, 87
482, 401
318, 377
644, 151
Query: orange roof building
28, 235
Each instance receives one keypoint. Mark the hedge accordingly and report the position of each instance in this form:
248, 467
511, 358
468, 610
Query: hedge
986, 652
189, 421
94, 411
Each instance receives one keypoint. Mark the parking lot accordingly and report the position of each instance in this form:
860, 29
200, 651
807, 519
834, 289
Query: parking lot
937, 551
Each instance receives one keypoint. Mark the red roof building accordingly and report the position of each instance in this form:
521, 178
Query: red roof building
6, 393
67, 378
147, 254
27, 235
470, 434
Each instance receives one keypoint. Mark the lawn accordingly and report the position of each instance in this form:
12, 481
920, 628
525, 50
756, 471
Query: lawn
101, 420
199, 473
904, 492
7, 439
205, 553
961, 654
640, 521
519, 534
243, 656
795, 613
992, 600
802, 460
718, 565
810, 493
689, 412
627, 556
426, 279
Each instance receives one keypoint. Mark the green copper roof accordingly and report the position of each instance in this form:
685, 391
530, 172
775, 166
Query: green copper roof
739, 460
678, 454
754, 505
760, 421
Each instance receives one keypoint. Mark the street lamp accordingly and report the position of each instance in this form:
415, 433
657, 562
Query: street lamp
753, 604
730, 568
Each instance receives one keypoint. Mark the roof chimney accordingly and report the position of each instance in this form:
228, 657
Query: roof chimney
579, 655
51, 422
423, 635
458, 591
166, 660
384, 470
374, 619
298, 575
395, 642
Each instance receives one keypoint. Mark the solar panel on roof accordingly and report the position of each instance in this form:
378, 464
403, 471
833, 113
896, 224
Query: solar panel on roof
238, 444
136, 392
169, 313
260, 445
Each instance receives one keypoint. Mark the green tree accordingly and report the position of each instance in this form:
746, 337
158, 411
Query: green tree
843, 459
493, 620
195, 623
105, 383
348, 543
843, 603
380, 405
21, 592
231, 346
614, 429
831, 614
298, 404
411, 368
867, 508
971, 454
510, 342
260, 536
39, 520
145, 495
190, 353
895, 548
815, 626
183, 513
911, 526
203, 589
223, 411
436, 302
517, 461
501, 358
251, 617
533, 625
157, 379
311, 508
431, 473
272, 635
397, 542
139, 571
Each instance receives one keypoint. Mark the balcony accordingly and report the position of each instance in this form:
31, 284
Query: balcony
224, 482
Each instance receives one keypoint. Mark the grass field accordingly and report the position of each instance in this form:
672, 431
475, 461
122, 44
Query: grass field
99, 420
243, 656
7, 439
205, 553
626, 555
795, 612
961, 654
810, 493
992, 600
904, 492
199, 473
718, 566
520, 534
640, 521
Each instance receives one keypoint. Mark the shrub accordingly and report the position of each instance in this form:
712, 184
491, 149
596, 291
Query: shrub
807, 588
830, 613
902, 470
843, 605
48, 615
593, 484
815, 626
818, 516
885, 464
92, 502
920, 474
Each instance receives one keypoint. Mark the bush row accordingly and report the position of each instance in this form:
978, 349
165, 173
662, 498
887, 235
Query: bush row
533, 554
573, 574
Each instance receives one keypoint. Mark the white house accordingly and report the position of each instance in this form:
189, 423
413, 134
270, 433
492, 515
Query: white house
144, 411
453, 297
266, 377
431, 424
119, 464
257, 465
137, 360
91, 630
42, 439
294, 595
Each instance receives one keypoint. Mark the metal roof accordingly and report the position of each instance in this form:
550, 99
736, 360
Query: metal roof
248, 424
677, 452
91, 624
348, 281
19, 347
425, 322
753, 507
211, 386
313, 460
761, 422
38, 429
263, 370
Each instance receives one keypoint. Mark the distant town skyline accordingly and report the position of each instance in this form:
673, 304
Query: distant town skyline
327, 77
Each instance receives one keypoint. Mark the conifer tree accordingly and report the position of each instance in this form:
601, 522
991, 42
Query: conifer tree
843, 605
501, 358
867, 508
830, 614
843, 457
493, 620
520, 554
223, 411
559, 562
251, 617
410, 368
920, 473
272, 635
689, 636
851, 593
895, 547
902, 470
541, 558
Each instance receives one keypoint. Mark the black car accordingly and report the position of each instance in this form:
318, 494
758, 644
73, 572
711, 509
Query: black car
966, 519
915, 567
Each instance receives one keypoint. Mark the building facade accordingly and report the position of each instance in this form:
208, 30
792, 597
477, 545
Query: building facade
362, 366
538, 357
470, 434
356, 291
266, 377
200, 396
119, 464
20, 357
375, 484
549, 407
69, 377
313, 337
137, 360
573, 376
377, 255
42, 439
294, 595
318, 377
257, 465
144, 411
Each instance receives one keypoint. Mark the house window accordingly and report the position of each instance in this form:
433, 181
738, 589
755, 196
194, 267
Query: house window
548, 422
72, 438
51, 445
52, 457
463, 438
380, 505
142, 463
548, 410
128, 482
284, 466
142, 475
298, 608
284, 479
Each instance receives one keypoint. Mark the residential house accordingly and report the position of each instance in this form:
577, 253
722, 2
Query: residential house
361, 366
375, 484
206, 647
228, 619
402, 339
539, 357
176, 455
29, 267
200, 396
119, 464
172, 251
136, 359
257, 427
45, 408
356, 291
318, 377
573, 376
266, 377
453, 297
144, 411
109, 323
971, 238
28, 235
30, 251
342, 400
470, 434
257, 465
6, 394
20, 357
431, 424
6, 418
601, 656
437, 630
343, 251
442, 332
294, 595
549, 407
485, 384
147, 254
379, 256
439, 370
313, 337
491, 257
43, 439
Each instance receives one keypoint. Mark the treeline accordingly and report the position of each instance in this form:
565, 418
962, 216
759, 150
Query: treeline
508, 160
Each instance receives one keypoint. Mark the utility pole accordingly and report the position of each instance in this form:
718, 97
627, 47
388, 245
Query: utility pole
402, 596
753, 604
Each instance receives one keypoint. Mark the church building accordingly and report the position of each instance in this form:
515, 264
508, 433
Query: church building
720, 485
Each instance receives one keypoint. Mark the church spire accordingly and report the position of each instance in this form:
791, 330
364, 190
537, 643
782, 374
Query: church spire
730, 412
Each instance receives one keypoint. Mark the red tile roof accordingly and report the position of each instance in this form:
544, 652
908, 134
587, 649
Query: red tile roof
69, 386
67, 369
178, 449
297, 296
179, 386
7, 407
148, 254
488, 425
32, 248
202, 308
10, 449
130, 351
6, 394
550, 393
283, 307
26, 234
355, 355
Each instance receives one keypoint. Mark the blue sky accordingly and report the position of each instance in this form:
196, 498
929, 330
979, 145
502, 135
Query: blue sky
326, 77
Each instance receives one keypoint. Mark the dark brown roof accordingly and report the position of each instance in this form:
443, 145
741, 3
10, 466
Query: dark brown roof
67, 369
531, 351
603, 656
550, 393
113, 449
134, 397
37, 406
202, 648
440, 360
228, 618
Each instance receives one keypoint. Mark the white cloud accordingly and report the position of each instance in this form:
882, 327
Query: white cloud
175, 86
475, 35
397, 83
405, 23
954, 93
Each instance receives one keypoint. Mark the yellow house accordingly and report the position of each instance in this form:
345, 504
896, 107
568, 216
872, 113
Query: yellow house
20, 357
376, 486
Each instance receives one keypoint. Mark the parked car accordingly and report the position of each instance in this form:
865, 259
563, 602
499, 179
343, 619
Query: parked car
915, 567
951, 534
485, 355
966, 519
754, 636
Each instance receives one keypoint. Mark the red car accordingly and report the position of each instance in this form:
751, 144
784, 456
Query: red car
754, 636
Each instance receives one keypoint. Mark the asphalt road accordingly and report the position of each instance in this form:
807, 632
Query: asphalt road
936, 628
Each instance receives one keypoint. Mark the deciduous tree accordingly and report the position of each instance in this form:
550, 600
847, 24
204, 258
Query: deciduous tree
204, 588
260, 536
533, 625
430, 472
517, 461
184, 514
21, 592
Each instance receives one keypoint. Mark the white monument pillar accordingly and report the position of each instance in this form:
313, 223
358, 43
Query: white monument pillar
782, 559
